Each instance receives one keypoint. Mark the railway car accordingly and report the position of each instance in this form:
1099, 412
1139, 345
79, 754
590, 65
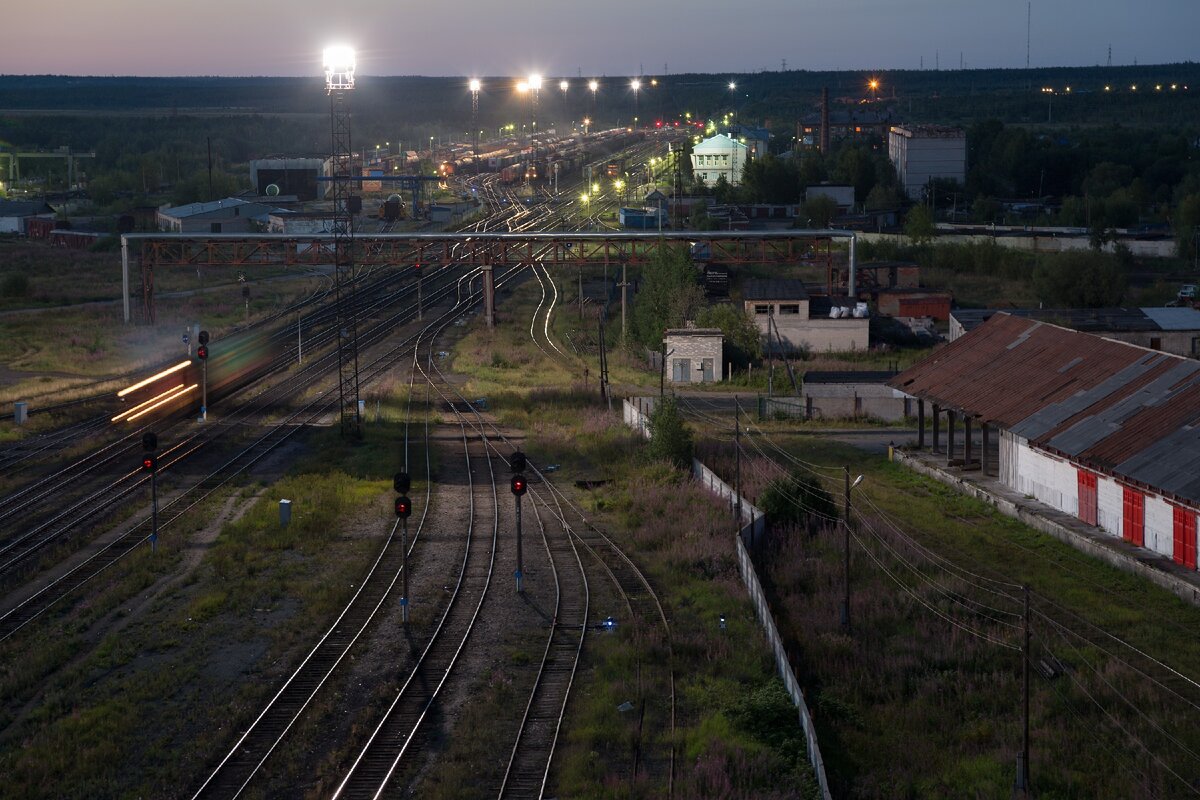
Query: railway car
178, 390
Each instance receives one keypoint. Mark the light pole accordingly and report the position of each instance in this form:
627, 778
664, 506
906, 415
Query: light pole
563, 86
846, 548
636, 85
535, 86
873, 85
594, 85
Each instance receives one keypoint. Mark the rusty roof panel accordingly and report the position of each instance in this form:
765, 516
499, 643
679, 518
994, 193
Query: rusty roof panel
1110, 405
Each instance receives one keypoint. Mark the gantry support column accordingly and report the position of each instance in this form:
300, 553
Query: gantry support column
489, 296
983, 456
949, 436
967, 450
937, 422
920, 424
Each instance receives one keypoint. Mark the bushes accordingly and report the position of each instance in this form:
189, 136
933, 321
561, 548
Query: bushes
670, 438
15, 284
798, 499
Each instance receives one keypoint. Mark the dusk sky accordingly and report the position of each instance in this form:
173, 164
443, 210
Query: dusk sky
614, 37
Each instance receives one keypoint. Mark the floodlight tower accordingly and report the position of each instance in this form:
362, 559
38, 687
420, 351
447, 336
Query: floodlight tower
339, 80
475, 86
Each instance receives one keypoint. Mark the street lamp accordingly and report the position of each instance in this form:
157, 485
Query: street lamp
636, 85
475, 85
846, 550
873, 85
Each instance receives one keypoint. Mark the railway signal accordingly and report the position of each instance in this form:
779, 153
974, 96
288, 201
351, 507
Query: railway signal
401, 482
403, 507
202, 354
519, 487
518, 462
150, 464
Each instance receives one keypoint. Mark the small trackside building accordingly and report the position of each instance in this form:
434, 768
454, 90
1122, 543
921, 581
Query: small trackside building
1100, 429
694, 354
853, 395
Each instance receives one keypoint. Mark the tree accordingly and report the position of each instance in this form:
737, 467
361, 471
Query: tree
743, 341
668, 296
919, 225
1187, 220
771, 180
820, 210
799, 499
670, 437
1081, 280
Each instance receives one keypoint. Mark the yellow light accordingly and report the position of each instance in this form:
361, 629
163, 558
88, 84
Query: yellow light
654, 81
584, 197
564, 85
1068, 88
523, 87
1158, 87
153, 378
595, 187
1133, 88
159, 398
1108, 88
1174, 87
178, 394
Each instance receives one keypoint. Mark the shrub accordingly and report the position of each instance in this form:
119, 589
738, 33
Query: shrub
15, 285
798, 499
670, 437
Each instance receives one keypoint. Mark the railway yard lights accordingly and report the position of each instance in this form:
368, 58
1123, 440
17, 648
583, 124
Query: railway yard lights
150, 464
202, 354
519, 486
475, 85
402, 483
636, 85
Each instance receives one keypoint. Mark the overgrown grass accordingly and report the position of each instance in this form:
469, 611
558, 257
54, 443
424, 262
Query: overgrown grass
913, 703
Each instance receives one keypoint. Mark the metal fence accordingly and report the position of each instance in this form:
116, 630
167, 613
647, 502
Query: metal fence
781, 408
755, 524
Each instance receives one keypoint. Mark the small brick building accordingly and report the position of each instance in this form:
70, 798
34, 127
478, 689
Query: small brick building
694, 354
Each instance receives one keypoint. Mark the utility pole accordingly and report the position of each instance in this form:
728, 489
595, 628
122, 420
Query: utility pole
1023, 762
624, 290
737, 439
846, 551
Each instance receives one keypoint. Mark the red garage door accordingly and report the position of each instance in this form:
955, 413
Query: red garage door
1185, 538
1134, 529
1087, 497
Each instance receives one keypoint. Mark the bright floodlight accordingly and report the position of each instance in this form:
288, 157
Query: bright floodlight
593, 85
535, 82
523, 87
339, 67
635, 84
563, 85
732, 86
475, 84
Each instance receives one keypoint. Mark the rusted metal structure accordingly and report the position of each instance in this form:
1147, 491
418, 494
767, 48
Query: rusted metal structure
155, 251
1101, 429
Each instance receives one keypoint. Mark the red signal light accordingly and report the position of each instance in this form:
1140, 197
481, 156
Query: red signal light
202, 352
150, 463
518, 485
403, 507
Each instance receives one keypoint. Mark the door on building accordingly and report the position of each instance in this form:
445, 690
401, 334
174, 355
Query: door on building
706, 370
681, 370
1087, 497
1134, 528
1184, 551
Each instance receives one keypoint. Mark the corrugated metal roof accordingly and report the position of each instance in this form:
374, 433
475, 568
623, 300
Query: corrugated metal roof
849, 376
1115, 407
774, 289
1174, 319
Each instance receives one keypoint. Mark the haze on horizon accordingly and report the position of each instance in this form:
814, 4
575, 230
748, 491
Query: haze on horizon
613, 37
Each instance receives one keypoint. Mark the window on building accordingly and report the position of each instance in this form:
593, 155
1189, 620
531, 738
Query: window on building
1155, 343
214, 227
762, 309
789, 308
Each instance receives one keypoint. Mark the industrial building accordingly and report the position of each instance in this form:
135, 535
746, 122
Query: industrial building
230, 215
854, 395
792, 322
922, 153
1103, 430
719, 156
15, 215
292, 176
694, 355
1170, 329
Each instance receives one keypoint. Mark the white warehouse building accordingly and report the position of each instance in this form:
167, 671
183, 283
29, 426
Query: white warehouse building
1106, 431
922, 153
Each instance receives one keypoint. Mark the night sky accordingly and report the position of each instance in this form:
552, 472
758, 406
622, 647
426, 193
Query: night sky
609, 37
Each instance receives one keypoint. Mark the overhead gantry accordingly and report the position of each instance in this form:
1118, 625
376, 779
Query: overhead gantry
154, 251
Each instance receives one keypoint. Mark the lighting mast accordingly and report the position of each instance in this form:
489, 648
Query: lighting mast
339, 62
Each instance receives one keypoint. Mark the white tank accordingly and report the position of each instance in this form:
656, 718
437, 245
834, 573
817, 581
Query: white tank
860, 311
